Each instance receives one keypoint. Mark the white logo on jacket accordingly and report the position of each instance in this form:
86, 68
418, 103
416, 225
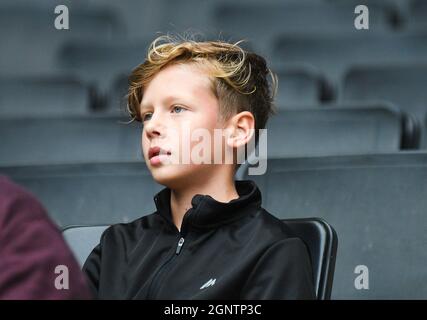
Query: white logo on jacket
211, 282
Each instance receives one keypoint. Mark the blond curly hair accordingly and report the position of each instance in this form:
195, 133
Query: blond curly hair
239, 78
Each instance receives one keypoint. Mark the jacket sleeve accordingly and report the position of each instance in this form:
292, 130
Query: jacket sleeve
283, 272
31, 250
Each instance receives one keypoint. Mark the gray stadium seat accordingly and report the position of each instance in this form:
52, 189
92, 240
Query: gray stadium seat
100, 62
377, 205
115, 100
90, 194
82, 240
321, 241
297, 17
180, 17
56, 140
333, 131
416, 20
31, 40
333, 54
300, 87
44, 96
403, 85
424, 137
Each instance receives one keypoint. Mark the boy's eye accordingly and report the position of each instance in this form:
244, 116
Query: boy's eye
146, 116
177, 109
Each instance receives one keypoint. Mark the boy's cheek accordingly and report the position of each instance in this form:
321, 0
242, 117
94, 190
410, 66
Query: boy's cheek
144, 149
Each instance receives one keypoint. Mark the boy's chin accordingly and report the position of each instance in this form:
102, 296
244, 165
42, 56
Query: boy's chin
179, 176
172, 177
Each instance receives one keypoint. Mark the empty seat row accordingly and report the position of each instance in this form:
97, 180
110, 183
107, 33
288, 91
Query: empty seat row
89, 193
65, 95
332, 55
302, 17
77, 139
385, 13
403, 85
298, 85
297, 18
45, 96
100, 62
293, 132
378, 207
30, 39
335, 130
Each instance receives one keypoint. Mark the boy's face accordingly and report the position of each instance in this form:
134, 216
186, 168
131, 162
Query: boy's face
178, 99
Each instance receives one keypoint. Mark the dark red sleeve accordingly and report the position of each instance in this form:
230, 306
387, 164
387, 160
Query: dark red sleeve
31, 248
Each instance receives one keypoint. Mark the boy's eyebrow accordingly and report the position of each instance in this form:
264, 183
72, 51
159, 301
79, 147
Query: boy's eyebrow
166, 100
143, 107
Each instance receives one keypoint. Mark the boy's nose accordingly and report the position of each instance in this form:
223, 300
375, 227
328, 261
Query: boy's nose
154, 127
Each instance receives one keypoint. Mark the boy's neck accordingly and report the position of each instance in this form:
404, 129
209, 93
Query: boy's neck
222, 190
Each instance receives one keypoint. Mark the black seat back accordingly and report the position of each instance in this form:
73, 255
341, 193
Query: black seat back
377, 204
321, 241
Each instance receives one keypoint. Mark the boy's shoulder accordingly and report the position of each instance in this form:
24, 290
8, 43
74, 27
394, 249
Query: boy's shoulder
272, 228
133, 228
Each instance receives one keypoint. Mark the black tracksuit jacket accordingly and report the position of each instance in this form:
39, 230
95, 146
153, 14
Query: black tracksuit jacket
233, 250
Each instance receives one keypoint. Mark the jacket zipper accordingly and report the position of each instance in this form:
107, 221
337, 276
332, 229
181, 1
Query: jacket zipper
179, 246
159, 271
182, 233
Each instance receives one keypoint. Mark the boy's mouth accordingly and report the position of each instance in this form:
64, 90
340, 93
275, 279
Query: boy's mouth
157, 154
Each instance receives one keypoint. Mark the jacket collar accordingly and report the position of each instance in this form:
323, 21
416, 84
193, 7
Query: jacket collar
206, 212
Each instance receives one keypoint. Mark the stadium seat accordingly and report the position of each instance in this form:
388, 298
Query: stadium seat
377, 205
115, 100
91, 193
333, 54
403, 85
39, 97
424, 137
416, 20
82, 240
321, 241
297, 17
56, 140
300, 87
100, 62
32, 39
179, 17
333, 131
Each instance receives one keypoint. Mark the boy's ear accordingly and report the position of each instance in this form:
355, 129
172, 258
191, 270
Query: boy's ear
241, 128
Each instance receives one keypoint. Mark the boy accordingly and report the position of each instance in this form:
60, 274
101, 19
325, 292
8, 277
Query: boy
209, 238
